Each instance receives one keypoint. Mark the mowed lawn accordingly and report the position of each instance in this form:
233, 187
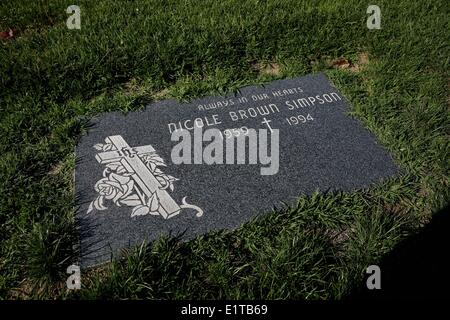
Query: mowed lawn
129, 53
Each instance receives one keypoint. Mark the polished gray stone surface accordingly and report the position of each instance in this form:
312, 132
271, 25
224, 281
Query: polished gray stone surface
126, 195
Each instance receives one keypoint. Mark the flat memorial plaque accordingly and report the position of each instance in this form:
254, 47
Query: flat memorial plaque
130, 188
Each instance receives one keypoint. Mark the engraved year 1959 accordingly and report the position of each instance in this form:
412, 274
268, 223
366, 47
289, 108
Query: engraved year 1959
235, 132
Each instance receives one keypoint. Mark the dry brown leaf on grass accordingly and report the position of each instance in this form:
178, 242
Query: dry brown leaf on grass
341, 63
272, 68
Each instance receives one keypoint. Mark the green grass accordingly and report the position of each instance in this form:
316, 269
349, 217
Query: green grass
52, 80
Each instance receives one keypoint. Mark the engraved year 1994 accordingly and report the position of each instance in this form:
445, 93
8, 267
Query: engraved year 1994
299, 119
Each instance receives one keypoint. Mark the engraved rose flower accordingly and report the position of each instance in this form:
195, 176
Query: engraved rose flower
113, 187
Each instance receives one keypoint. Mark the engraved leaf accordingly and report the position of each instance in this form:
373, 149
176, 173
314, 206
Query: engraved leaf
121, 170
132, 200
158, 163
107, 147
140, 210
152, 166
154, 213
153, 202
98, 146
126, 174
98, 203
170, 178
91, 207
114, 165
171, 186
119, 178
154, 159
161, 180
158, 158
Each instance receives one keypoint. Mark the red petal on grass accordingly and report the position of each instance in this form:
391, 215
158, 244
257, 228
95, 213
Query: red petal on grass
7, 34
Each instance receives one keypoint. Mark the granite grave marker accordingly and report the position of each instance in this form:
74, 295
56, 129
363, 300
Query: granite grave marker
129, 189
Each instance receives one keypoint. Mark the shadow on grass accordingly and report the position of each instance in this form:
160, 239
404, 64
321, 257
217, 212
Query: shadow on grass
418, 267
